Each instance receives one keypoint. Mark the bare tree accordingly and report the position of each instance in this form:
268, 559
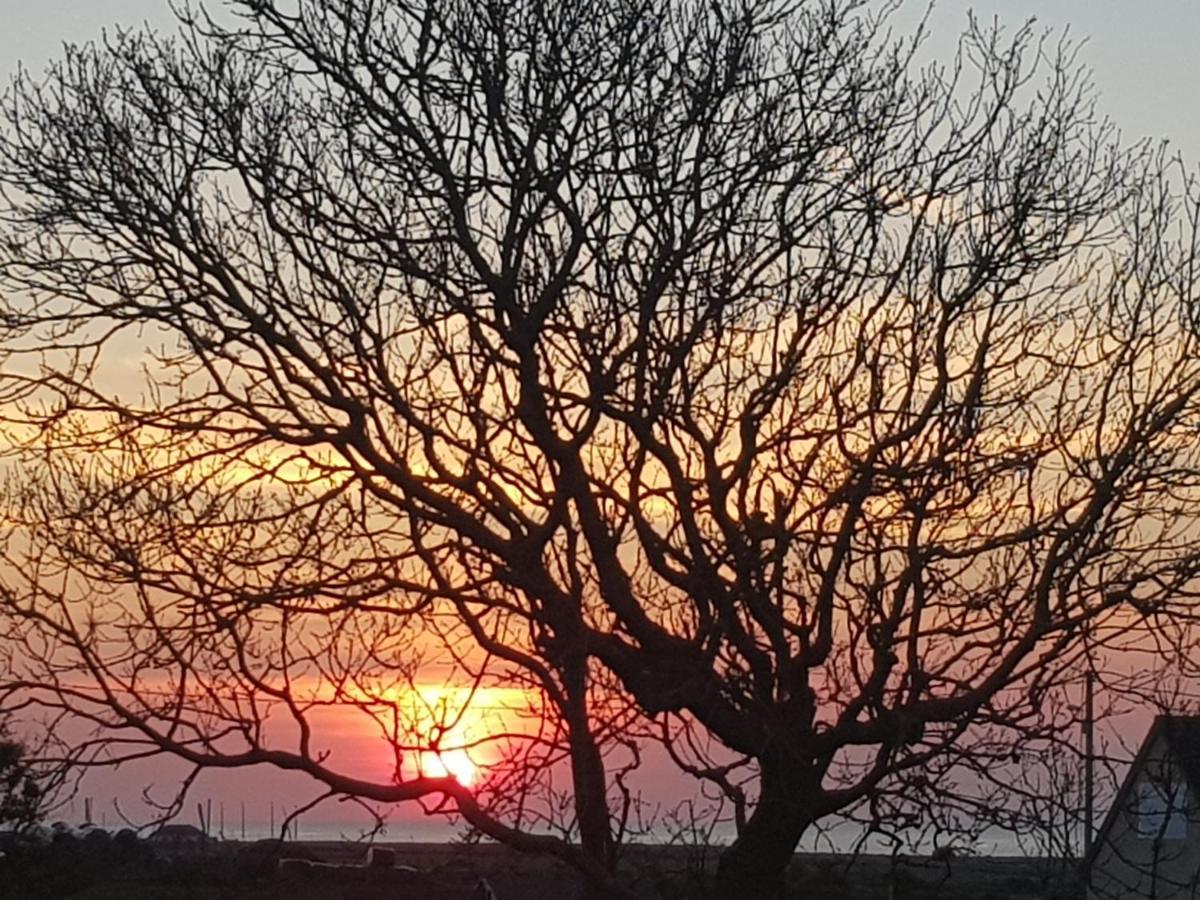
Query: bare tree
704, 372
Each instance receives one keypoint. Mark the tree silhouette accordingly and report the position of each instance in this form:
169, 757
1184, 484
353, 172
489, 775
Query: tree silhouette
709, 373
22, 795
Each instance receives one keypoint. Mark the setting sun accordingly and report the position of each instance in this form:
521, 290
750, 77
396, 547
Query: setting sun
455, 763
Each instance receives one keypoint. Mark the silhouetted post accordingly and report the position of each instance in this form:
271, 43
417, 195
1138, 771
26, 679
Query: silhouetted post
243, 820
272, 818
1089, 757
221, 813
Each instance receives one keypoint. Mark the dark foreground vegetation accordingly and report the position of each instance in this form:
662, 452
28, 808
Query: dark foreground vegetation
122, 866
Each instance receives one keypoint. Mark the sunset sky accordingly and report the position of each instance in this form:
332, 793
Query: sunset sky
1143, 56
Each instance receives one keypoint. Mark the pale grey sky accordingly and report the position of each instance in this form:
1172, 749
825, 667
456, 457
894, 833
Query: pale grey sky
1143, 52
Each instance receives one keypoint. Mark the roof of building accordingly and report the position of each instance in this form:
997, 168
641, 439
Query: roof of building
1182, 735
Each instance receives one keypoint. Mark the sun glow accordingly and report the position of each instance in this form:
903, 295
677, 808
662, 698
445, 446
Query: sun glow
442, 730
455, 763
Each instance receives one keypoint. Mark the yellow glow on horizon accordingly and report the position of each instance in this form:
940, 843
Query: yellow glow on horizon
454, 763
447, 730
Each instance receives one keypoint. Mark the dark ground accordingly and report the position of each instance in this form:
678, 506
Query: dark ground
99, 868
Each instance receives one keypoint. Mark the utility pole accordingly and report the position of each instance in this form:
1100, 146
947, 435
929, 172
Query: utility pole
1089, 760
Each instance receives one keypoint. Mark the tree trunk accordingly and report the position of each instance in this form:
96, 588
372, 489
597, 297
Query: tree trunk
755, 865
588, 778
591, 808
